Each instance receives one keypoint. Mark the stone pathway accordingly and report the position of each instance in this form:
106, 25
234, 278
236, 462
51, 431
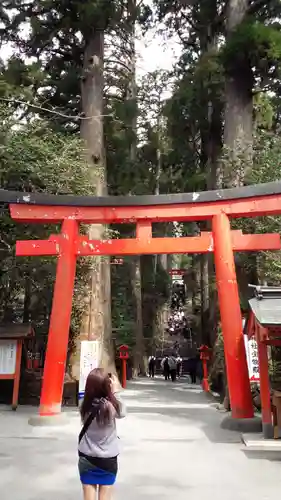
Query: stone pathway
172, 447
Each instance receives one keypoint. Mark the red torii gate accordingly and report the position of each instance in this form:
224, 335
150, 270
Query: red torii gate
217, 206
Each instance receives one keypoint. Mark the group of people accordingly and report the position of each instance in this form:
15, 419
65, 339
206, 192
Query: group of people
177, 322
178, 295
171, 367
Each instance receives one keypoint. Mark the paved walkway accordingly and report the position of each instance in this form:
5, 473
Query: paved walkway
172, 447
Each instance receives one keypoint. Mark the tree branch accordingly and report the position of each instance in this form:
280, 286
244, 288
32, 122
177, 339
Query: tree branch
52, 111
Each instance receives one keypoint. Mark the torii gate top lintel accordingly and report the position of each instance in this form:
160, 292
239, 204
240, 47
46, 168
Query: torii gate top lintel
244, 201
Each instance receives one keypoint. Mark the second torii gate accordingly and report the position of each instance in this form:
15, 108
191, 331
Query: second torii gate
216, 206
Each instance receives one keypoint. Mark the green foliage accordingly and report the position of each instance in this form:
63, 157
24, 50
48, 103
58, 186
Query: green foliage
57, 35
267, 169
24, 151
264, 112
253, 43
123, 314
35, 159
267, 157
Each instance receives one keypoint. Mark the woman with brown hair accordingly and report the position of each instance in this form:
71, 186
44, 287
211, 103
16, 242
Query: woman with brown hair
98, 441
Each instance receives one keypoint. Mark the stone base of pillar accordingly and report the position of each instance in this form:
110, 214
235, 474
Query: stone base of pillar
268, 431
244, 425
48, 421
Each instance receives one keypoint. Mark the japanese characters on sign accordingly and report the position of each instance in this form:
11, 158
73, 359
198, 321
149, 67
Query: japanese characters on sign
8, 355
252, 358
89, 360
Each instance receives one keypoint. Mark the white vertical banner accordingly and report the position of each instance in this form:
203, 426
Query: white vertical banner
89, 360
8, 356
251, 348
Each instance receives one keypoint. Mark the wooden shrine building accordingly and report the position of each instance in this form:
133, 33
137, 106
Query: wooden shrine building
264, 323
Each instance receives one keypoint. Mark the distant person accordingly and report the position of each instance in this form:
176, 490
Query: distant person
192, 369
179, 366
151, 366
98, 448
165, 367
173, 367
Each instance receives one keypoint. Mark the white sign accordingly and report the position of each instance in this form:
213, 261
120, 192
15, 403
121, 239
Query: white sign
179, 278
89, 360
8, 356
251, 348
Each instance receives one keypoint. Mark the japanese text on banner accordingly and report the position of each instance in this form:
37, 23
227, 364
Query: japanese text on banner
89, 360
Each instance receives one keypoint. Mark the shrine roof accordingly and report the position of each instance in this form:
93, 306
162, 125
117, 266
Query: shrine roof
266, 305
15, 330
253, 191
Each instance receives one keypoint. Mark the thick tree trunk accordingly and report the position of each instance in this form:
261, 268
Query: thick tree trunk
204, 287
211, 147
238, 129
196, 297
96, 320
214, 148
238, 119
139, 351
27, 300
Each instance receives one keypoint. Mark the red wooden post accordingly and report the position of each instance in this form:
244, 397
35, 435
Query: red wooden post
124, 373
205, 382
205, 356
124, 355
267, 426
17, 376
54, 368
231, 320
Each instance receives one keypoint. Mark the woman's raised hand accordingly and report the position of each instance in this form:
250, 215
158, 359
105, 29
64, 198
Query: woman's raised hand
115, 384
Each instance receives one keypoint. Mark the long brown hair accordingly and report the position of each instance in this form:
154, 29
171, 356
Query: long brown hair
99, 397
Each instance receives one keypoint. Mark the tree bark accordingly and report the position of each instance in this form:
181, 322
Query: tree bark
238, 131
139, 351
196, 295
238, 119
238, 128
27, 300
96, 320
204, 288
211, 147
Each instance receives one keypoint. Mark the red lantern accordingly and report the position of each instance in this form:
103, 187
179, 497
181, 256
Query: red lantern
124, 352
205, 355
205, 352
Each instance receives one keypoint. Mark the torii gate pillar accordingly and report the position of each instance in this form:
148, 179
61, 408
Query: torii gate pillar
231, 320
56, 354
